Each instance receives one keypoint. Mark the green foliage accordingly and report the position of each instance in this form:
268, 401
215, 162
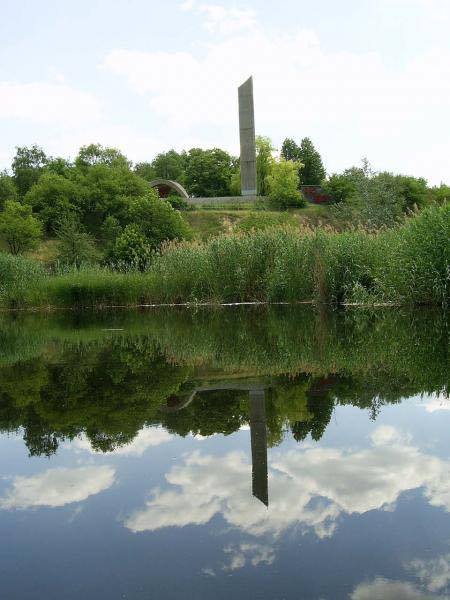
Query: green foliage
20, 229
157, 220
290, 150
283, 184
177, 202
17, 276
440, 194
8, 190
96, 154
313, 172
341, 187
76, 247
209, 172
264, 163
235, 183
145, 170
107, 191
131, 250
54, 198
170, 165
27, 166
113, 384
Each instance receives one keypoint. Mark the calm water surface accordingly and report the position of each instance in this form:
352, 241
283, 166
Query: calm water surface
231, 453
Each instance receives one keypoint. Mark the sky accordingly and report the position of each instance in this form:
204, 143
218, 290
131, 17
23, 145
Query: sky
361, 78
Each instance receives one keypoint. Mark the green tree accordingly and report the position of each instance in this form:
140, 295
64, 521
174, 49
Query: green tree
96, 154
106, 192
313, 171
170, 165
290, 150
283, 184
76, 247
8, 190
208, 172
440, 194
20, 229
54, 198
264, 162
131, 250
156, 219
27, 166
145, 170
340, 187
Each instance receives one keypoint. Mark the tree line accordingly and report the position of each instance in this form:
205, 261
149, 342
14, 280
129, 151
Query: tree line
100, 204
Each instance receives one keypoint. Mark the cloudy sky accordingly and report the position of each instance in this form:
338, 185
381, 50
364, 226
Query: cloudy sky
360, 77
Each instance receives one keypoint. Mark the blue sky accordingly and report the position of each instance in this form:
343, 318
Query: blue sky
360, 77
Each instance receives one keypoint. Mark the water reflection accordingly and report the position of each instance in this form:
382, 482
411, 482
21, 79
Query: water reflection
271, 453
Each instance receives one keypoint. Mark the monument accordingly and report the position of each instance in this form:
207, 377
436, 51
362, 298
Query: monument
247, 138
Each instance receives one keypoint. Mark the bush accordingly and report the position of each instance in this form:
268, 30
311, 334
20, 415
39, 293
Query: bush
76, 247
131, 250
156, 220
20, 229
283, 183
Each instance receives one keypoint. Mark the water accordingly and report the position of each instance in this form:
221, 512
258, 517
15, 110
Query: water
228, 453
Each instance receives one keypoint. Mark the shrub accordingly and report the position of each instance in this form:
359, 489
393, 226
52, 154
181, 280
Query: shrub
20, 229
76, 247
283, 183
131, 250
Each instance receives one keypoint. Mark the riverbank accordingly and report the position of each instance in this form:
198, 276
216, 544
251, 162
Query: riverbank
406, 265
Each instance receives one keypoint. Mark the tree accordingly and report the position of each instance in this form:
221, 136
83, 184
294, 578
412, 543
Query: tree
313, 171
290, 150
27, 166
106, 192
340, 187
20, 229
170, 165
145, 170
96, 154
8, 190
440, 194
208, 172
54, 198
156, 220
131, 250
76, 247
283, 185
264, 162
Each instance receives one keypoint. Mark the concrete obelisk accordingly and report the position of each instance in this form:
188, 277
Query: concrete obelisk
247, 138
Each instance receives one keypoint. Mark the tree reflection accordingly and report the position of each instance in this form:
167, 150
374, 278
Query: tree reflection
192, 372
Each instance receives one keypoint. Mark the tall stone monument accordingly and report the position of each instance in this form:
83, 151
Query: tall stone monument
247, 138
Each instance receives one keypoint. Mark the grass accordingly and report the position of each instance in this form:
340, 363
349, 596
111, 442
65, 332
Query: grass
407, 265
210, 222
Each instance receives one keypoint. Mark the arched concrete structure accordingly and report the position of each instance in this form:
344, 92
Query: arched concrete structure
165, 185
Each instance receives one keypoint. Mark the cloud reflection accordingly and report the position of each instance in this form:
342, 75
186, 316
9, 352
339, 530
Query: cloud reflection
310, 487
57, 487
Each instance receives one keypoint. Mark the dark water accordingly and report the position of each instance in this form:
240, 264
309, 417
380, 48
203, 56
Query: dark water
229, 453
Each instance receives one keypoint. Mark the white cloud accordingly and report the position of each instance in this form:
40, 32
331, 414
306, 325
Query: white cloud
47, 103
146, 438
241, 554
434, 573
437, 402
309, 487
57, 487
220, 19
351, 103
382, 589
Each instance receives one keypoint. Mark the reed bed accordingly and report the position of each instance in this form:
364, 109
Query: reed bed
406, 265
